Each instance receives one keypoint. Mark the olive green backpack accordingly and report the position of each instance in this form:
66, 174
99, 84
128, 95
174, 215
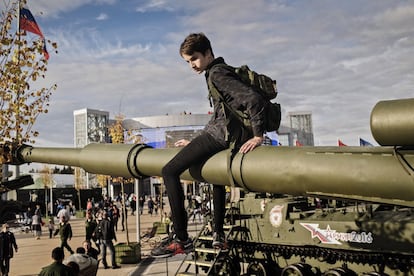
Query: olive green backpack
263, 85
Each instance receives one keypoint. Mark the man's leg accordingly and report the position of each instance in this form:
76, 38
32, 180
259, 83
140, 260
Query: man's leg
219, 201
2, 265
66, 245
112, 249
6, 266
103, 251
198, 150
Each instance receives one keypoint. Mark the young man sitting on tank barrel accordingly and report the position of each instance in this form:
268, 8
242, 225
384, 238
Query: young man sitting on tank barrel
220, 132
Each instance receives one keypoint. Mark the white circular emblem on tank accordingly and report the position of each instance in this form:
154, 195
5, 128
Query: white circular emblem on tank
275, 215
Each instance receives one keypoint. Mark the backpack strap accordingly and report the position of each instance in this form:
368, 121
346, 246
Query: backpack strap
214, 93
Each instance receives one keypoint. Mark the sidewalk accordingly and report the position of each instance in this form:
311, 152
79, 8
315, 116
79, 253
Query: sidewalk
34, 254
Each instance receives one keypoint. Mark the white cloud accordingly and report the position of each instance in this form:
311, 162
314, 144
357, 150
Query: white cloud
102, 16
154, 5
335, 58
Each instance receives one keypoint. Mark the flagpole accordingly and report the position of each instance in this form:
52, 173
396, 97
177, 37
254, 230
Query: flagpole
17, 167
18, 31
18, 19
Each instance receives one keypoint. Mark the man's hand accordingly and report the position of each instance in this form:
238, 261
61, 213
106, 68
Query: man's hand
181, 143
251, 144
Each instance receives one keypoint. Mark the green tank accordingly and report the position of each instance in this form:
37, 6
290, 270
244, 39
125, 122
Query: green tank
303, 210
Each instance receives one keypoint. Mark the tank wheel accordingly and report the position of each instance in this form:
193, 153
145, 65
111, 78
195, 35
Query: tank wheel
340, 271
374, 273
256, 268
229, 266
299, 269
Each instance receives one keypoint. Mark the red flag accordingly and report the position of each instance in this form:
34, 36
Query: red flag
298, 144
341, 144
28, 23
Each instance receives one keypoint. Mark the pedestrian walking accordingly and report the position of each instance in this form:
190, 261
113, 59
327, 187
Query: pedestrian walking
141, 204
51, 227
105, 233
115, 216
133, 204
90, 225
65, 233
37, 225
124, 217
150, 205
7, 244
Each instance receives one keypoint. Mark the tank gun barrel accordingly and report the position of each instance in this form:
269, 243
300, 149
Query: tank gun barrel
346, 172
377, 174
392, 122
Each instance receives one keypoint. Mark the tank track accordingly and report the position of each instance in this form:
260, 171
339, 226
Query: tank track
403, 263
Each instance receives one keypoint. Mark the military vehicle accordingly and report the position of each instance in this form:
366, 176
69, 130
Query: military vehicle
305, 210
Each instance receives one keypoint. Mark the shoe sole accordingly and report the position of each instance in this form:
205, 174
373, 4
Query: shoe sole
167, 255
162, 256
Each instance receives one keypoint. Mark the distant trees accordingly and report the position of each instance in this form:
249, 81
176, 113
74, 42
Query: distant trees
56, 170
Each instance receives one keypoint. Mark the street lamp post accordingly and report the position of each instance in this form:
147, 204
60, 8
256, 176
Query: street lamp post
138, 216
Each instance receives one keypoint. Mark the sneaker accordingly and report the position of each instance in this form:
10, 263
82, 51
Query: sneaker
219, 240
167, 240
172, 248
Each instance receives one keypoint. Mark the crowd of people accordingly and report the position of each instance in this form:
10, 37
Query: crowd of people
76, 264
100, 227
102, 220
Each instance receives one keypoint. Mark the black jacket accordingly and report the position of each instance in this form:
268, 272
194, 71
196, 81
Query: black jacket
65, 231
238, 95
7, 244
105, 230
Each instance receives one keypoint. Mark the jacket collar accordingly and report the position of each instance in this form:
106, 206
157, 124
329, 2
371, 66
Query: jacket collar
214, 62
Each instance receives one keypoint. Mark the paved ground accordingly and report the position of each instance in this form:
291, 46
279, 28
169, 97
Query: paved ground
34, 254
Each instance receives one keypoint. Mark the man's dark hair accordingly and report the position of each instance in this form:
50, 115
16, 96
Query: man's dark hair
58, 254
196, 42
80, 250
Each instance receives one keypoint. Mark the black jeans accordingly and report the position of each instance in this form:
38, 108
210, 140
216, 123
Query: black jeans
107, 244
197, 151
64, 244
5, 266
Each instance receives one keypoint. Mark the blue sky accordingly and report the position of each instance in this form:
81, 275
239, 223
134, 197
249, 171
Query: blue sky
334, 58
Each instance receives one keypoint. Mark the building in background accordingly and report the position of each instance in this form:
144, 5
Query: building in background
162, 132
297, 131
90, 126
